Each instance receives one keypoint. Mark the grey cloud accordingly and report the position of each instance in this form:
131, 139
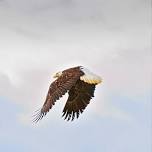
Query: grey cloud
29, 91
111, 13
77, 21
105, 36
5, 82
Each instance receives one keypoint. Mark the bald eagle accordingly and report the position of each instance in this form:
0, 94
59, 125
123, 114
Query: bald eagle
80, 84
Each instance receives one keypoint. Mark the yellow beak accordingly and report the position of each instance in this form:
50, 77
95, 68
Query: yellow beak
55, 76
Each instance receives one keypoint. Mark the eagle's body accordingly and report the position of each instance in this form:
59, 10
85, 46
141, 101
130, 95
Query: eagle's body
79, 83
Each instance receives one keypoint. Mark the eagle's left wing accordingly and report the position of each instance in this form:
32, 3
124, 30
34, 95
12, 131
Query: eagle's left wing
56, 90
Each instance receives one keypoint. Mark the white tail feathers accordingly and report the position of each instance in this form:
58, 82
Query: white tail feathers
90, 77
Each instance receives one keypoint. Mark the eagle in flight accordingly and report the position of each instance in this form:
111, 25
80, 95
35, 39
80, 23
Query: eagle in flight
80, 84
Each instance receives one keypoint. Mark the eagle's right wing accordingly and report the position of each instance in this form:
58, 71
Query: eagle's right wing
79, 97
56, 90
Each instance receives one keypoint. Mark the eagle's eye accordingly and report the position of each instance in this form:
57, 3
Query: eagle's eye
57, 75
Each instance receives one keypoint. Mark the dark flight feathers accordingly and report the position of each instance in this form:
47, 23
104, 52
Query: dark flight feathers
79, 97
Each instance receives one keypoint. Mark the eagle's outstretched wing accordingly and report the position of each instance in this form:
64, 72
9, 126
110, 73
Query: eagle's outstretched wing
56, 90
79, 97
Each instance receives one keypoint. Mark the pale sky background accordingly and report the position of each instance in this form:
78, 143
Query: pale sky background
109, 37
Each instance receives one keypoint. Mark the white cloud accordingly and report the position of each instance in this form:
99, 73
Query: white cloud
114, 42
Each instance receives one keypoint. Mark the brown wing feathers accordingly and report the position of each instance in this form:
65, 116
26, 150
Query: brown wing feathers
56, 90
79, 97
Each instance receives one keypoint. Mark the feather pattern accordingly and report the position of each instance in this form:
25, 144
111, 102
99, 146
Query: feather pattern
79, 97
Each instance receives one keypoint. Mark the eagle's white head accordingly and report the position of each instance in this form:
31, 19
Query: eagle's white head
57, 75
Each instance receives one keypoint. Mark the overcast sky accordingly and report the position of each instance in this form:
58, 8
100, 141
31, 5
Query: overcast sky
111, 38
